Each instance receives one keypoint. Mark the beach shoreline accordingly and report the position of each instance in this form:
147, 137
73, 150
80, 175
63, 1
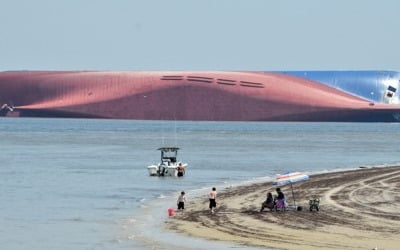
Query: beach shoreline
359, 209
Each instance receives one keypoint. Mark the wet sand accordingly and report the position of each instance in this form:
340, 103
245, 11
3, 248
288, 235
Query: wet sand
359, 209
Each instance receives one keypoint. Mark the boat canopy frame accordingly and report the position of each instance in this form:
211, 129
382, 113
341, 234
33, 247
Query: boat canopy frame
169, 154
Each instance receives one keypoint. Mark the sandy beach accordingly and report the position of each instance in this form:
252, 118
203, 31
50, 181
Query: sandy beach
359, 209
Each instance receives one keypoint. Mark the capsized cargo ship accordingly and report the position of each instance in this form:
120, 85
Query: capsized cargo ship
352, 96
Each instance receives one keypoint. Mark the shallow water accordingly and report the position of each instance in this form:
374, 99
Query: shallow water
83, 184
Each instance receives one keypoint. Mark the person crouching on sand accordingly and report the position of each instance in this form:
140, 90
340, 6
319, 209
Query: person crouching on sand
213, 199
181, 201
268, 203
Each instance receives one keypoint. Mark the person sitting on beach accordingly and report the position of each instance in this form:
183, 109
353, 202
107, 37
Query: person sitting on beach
268, 203
181, 201
280, 199
213, 199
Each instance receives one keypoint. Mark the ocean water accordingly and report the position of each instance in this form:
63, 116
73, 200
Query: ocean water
83, 183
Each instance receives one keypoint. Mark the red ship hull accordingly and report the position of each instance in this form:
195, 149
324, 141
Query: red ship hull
211, 96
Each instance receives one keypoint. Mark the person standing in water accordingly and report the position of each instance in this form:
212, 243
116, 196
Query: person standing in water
181, 170
213, 199
181, 201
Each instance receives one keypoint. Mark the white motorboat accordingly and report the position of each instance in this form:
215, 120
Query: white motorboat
169, 166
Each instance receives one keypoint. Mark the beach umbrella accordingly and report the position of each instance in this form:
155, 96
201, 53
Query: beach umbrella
290, 178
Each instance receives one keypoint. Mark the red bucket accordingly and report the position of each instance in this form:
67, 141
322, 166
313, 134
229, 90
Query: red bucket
171, 211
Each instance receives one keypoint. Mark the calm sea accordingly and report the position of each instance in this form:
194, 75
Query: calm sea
83, 184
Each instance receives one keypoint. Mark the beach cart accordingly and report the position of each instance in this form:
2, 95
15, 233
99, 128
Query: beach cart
314, 203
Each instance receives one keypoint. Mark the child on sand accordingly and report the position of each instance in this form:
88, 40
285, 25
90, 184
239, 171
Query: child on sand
213, 199
181, 201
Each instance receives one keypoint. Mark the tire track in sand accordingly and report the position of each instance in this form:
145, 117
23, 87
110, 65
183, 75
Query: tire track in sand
354, 203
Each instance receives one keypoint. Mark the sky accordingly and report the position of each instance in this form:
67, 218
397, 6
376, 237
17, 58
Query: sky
251, 35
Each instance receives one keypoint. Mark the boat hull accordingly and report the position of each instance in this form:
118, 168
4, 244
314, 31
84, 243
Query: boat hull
163, 170
198, 96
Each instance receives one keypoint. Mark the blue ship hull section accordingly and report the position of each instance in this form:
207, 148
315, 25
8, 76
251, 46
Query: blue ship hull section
371, 85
